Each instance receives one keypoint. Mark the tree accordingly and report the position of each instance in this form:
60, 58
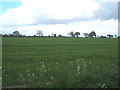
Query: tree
85, 34
34, 36
91, 34
16, 33
110, 36
71, 34
52, 34
55, 35
48, 35
102, 36
11, 35
5, 35
39, 33
115, 36
77, 33
60, 35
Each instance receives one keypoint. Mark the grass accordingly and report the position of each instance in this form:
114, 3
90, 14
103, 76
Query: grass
60, 62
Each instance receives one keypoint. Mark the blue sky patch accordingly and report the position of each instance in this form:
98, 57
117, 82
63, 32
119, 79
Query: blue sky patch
8, 5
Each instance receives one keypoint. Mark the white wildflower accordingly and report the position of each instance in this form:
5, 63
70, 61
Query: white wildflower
21, 75
84, 65
78, 67
84, 62
33, 74
45, 71
28, 74
81, 58
43, 65
51, 77
102, 86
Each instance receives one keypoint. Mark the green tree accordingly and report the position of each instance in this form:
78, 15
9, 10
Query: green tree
39, 33
71, 33
16, 33
85, 34
11, 35
91, 34
55, 35
60, 35
115, 36
77, 33
110, 36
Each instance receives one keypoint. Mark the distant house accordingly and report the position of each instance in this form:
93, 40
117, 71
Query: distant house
0, 35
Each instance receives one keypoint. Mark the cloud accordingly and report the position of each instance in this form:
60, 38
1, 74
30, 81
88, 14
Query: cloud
100, 27
106, 11
57, 12
49, 12
10, 0
60, 17
119, 11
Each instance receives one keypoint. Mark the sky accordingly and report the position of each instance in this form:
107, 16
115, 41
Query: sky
59, 16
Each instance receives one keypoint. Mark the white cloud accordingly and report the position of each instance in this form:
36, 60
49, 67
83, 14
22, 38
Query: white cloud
56, 16
109, 0
10, 0
41, 11
100, 27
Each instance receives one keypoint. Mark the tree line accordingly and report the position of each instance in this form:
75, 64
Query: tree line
39, 33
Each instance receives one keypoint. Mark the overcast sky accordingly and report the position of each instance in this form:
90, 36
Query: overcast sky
59, 16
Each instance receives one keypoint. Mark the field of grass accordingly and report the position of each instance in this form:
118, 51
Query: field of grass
60, 62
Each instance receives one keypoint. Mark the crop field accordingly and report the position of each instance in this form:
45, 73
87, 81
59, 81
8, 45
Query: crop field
33, 62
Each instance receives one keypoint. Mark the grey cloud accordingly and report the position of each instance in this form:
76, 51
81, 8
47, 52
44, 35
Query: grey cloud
9, 25
48, 21
60, 21
107, 10
119, 11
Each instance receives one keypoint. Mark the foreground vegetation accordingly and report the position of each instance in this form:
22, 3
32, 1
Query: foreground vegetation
60, 62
